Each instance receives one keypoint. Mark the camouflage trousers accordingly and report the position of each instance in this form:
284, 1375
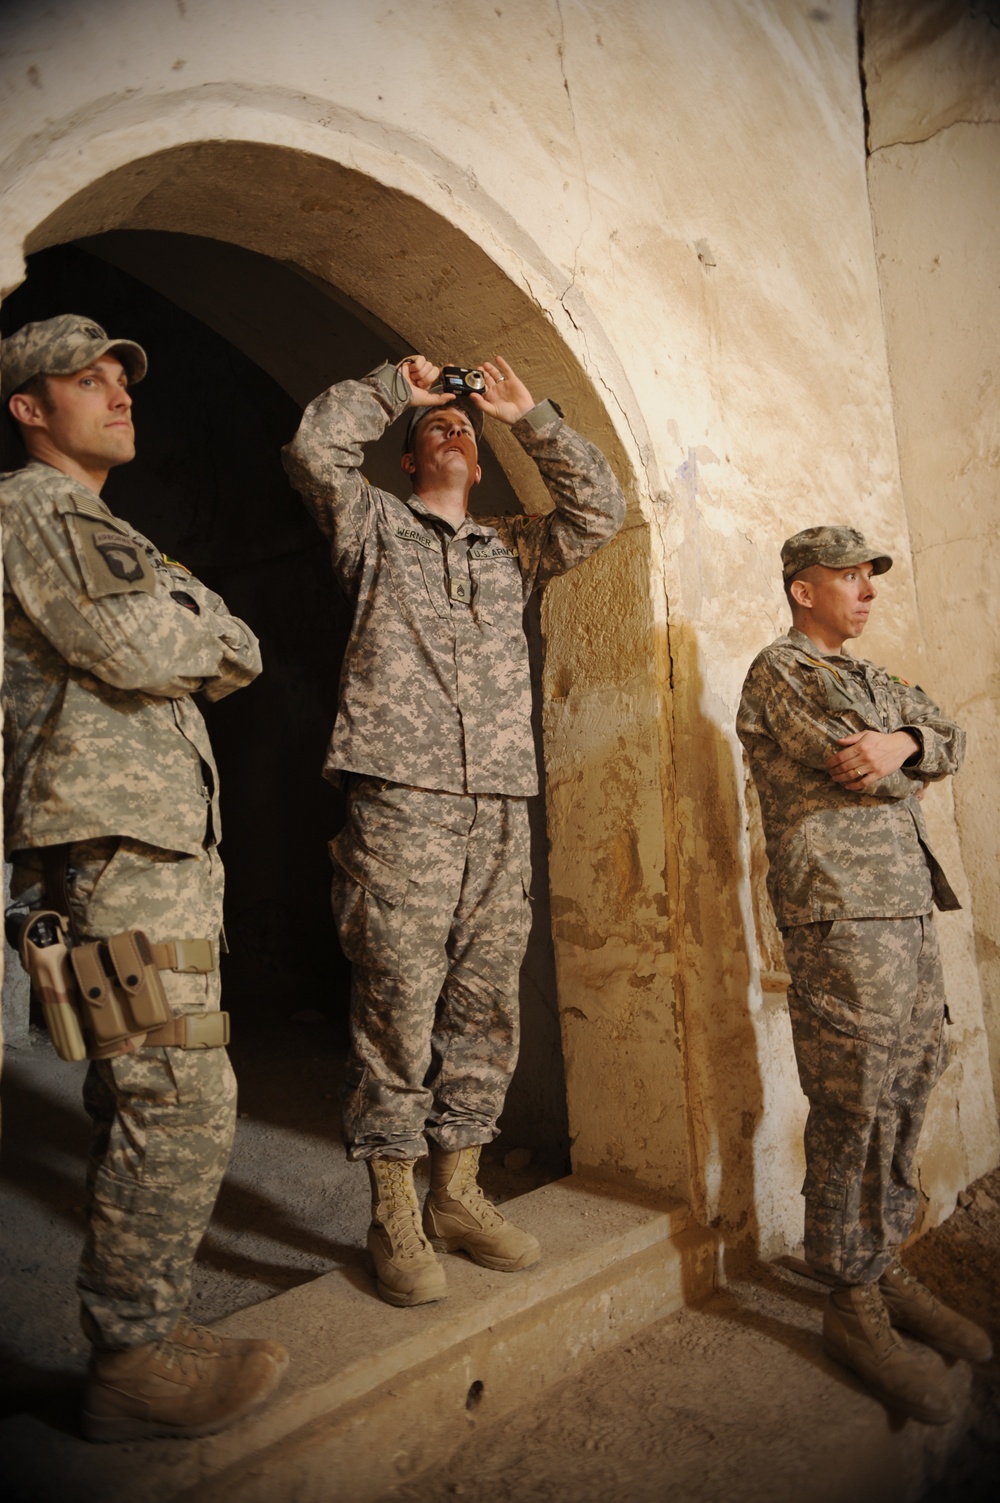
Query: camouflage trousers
867, 1011
430, 894
162, 1118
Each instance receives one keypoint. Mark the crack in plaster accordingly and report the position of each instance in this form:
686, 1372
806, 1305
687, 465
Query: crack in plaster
561, 51
976, 540
870, 151
594, 368
883, 317
571, 284
863, 76
920, 140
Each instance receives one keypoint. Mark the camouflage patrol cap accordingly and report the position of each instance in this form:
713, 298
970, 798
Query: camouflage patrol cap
60, 347
834, 547
417, 415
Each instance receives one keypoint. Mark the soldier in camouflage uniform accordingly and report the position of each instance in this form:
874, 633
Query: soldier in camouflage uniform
840, 752
112, 816
431, 872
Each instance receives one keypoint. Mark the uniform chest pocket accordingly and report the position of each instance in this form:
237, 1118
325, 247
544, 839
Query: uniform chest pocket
497, 590
839, 696
850, 696
417, 571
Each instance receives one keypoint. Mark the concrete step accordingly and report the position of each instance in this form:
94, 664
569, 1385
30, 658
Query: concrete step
374, 1394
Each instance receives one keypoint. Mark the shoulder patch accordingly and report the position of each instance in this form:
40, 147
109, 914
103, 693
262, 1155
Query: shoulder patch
174, 563
90, 506
895, 678
110, 561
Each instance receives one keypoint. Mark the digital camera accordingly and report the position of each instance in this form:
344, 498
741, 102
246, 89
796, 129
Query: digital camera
458, 382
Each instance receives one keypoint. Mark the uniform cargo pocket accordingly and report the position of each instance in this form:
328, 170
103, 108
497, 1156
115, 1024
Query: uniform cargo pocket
368, 870
843, 1051
368, 899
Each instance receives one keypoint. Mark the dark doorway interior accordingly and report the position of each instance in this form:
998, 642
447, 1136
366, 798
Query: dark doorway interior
238, 344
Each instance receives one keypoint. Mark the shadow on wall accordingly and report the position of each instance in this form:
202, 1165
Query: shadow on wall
208, 487
725, 1086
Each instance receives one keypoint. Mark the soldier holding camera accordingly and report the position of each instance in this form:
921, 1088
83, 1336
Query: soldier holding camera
112, 825
431, 872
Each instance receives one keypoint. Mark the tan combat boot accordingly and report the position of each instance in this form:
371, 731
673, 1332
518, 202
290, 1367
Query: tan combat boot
913, 1308
457, 1216
857, 1333
162, 1388
209, 1344
406, 1270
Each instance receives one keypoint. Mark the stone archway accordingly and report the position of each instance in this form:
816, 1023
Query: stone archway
422, 275
387, 251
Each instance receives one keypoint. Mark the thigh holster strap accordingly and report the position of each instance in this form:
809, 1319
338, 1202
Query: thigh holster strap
190, 1030
190, 957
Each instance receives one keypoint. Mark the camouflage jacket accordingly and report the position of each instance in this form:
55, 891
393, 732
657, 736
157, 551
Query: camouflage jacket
435, 689
101, 734
833, 853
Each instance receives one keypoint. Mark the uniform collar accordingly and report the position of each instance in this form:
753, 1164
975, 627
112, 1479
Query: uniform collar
42, 471
812, 649
470, 526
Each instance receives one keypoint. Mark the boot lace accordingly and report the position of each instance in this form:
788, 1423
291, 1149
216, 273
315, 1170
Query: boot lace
909, 1286
400, 1210
180, 1359
876, 1320
469, 1192
185, 1332
901, 1275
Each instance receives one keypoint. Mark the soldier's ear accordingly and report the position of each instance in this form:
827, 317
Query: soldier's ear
408, 463
26, 409
801, 592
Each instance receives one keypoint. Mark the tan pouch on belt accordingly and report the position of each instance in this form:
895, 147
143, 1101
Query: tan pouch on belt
121, 993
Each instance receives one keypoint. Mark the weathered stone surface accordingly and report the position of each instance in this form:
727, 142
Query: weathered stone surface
928, 66
934, 95
664, 217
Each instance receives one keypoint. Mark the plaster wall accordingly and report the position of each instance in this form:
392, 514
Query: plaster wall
662, 215
933, 88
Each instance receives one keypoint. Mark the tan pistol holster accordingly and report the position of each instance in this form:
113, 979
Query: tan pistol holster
106, 998
45, 957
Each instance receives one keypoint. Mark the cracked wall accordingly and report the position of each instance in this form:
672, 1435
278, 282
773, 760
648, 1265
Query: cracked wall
663, 214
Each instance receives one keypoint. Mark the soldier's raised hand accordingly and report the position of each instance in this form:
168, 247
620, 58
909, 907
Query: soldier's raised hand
506, 397
421, 374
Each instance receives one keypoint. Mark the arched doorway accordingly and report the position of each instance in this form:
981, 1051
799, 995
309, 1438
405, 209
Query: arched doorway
192, 259
424, 278
207, 485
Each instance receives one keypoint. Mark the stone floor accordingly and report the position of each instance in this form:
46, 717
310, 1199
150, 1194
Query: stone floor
732, 1401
